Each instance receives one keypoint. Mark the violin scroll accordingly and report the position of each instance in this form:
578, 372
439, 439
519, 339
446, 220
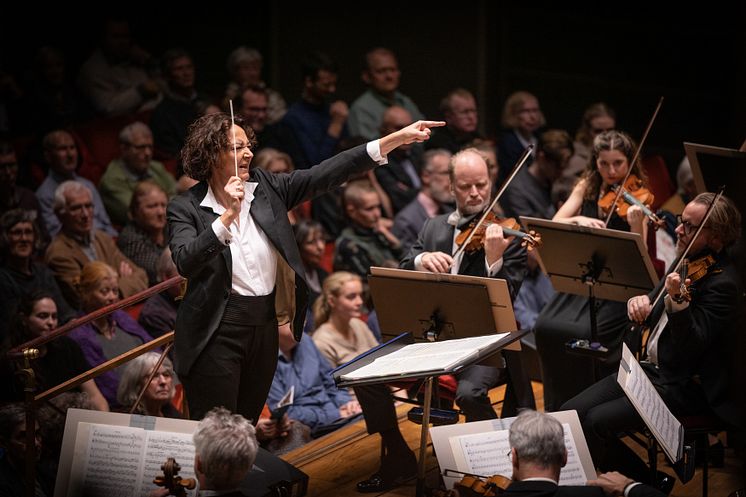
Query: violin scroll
172, 481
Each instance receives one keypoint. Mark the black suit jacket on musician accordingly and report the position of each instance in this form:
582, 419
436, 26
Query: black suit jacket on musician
206, 262
547, 489
697, 343
437, 236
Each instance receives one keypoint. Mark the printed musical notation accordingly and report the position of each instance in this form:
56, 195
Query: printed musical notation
488, 454
123, 461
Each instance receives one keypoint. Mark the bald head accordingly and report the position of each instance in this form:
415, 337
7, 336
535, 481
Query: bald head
470, 181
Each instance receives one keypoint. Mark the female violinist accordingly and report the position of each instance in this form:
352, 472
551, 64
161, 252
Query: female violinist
566, 316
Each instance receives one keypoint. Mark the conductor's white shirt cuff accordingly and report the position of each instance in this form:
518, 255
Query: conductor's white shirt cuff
223, 233
374, 151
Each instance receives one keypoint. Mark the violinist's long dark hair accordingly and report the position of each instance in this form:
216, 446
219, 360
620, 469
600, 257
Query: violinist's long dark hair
609, 140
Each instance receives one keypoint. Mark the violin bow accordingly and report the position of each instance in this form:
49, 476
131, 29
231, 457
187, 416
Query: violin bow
677, 262
634, 161
521, 161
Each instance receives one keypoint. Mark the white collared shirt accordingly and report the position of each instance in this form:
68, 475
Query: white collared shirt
453, 220
254, 259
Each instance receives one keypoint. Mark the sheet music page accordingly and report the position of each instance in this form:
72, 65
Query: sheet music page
428, 356
159, 446
112, 463
487, 454
649, 405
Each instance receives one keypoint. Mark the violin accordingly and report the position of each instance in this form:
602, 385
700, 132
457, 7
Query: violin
472, 486
693, 271
632, 193
170, 479
510, 228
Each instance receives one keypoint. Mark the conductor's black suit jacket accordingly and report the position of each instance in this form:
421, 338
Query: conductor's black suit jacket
206, 262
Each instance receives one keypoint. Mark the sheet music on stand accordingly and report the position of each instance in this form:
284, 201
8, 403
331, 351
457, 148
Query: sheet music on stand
641, 392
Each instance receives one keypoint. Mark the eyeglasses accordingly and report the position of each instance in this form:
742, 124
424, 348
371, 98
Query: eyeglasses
689, 228
19, 232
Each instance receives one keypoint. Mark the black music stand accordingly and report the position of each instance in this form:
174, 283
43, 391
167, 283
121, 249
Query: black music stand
433, 307
600, 263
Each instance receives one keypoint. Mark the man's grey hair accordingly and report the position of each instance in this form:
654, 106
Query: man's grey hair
429, 155
70, 186
538, 438
226, 445
131, 130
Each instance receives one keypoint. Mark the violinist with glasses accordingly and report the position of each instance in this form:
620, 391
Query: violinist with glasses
690, 347
498, 256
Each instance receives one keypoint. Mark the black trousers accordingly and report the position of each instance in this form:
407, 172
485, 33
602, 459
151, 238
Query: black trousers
236, 368
606, 413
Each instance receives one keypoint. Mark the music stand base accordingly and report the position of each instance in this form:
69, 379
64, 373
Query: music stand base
587, 348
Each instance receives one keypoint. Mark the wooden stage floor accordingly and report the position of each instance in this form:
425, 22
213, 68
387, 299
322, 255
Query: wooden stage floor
336, 462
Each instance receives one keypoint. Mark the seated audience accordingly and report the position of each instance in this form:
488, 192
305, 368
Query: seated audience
108, 336
341, 336
134, 164
399, 179
60, 359
245, 69
311, 240
538, 454
597, 118
62, 155
146, 236
13, 455
434, 198
522, 118
160, 392
158, 314
20, 274
78, 243
280, 436
367, 240
13, 196
459, 109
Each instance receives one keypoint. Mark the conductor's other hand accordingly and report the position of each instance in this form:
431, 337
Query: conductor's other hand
638, 308
436, 262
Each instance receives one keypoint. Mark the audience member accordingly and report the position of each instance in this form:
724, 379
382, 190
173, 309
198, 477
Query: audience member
399, 180
13, 440
367, 240
78, 242
225, 449
381, 75
530, 192
317, 402
20, 273
274, 161
146, 236
311, 240
597, 118
312, 126
61, 154
160, 392
245, 69
488, 148
538, 454
108, 336
58, 361
134, 164
158, 314
433, 199
181, 104
13, 196
253, 107
459, 109
115, 77
522, 118
280, 436
340, 337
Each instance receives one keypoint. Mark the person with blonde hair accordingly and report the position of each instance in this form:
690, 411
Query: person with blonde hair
522, 118
341, 336
108, 336
160, 392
